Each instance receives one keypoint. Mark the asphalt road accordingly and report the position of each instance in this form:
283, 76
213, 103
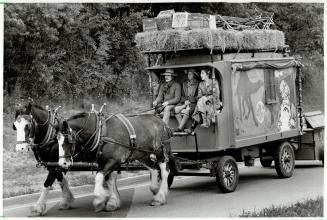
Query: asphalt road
199, 196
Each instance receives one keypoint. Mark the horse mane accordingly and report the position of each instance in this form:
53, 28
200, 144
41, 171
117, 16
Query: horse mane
78, 115
38, 106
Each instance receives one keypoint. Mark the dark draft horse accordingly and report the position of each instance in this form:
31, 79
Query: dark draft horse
34, 131
75, 138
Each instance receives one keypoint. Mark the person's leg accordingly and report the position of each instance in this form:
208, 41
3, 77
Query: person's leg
166, 115
185, 113
178, 110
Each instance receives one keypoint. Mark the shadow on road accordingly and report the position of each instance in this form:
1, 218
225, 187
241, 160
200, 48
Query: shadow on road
84, 208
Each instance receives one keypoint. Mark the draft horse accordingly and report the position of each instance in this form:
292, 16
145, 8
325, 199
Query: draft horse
112, 141
34, 128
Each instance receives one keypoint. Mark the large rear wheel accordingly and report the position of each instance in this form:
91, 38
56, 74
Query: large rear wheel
227, 174
285, 160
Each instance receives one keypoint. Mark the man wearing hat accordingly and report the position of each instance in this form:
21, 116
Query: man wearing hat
187, 104
169, 95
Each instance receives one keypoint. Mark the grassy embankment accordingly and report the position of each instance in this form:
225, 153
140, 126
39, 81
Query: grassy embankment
307, 208
21, 176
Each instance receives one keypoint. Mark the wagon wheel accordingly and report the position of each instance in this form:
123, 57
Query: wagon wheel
170, 180
285, 160
266, 162
227, 174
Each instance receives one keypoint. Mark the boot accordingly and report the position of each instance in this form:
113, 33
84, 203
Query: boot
192, 128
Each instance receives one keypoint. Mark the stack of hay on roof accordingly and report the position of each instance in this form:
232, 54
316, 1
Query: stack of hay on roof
172, 30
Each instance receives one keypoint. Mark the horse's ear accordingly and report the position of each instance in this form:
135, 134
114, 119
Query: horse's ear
29, 107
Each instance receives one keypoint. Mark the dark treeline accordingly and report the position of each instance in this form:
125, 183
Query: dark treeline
68, 52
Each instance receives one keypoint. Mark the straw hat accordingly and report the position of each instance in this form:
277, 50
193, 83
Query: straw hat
169, 72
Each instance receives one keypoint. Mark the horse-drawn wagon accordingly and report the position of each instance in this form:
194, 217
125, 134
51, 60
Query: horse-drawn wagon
261, 116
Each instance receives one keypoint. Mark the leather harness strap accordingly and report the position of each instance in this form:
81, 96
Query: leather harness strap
101, 128
129, 127
49, 130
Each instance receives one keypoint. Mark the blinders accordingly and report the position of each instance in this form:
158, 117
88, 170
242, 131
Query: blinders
71, 137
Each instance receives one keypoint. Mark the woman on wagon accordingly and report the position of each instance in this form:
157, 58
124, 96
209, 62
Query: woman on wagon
208, 95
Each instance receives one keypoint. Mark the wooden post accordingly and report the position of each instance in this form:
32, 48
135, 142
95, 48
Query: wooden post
299, 75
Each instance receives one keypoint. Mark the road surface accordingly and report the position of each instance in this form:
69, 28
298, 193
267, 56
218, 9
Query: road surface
199, 196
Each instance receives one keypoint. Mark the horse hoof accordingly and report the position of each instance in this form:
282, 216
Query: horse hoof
111, 207
65, 206
38, 210
99, 206
156, 203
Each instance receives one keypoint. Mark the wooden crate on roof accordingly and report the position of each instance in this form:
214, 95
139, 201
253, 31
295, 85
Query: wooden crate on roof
149, 24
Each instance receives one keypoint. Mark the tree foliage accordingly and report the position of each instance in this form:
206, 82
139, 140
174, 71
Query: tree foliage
70, 51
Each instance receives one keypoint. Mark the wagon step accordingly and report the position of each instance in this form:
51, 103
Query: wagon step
192, 172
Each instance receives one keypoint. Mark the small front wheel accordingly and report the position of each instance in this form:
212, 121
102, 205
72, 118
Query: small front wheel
285, 160
227, 174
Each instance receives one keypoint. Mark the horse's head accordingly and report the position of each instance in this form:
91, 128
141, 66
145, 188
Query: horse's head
66, 142
24, 126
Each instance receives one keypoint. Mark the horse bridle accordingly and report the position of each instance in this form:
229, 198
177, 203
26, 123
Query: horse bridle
72, 139
32, 127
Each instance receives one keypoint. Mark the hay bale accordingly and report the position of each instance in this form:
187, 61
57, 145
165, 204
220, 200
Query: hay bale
261, 39
211, 39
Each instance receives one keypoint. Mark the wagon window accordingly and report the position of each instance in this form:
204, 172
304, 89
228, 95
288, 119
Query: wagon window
270, 86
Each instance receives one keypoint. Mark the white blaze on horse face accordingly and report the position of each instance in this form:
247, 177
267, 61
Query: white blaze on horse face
61, 139
20, 125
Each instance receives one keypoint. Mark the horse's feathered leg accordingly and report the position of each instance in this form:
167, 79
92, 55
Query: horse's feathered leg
67, 196
160, 197
114, 201
101, 195
39, 208
154, 174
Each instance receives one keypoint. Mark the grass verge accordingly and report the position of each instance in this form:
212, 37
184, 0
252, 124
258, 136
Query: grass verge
307, 208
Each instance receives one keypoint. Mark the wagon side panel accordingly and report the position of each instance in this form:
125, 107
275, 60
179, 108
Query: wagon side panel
264, 105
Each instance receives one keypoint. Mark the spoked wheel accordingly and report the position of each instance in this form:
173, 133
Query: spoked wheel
265, 162
170, 180
285, 160
227, 174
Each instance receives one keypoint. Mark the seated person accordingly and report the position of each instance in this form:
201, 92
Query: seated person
208, 95
169, 95
186, 106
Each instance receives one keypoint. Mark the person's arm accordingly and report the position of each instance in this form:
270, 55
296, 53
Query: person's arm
183, 95
194, 98
177, 95
200, 91
160, 95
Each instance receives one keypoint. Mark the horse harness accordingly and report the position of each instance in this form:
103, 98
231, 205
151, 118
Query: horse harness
99, 138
